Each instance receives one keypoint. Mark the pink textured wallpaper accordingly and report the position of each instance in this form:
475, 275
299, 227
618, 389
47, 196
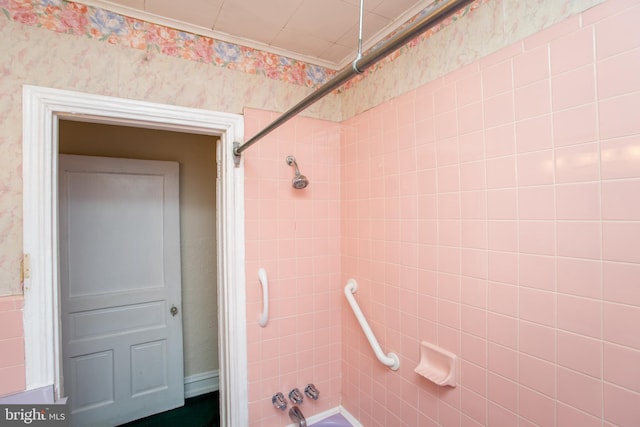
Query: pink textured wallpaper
12, 345
495, 212
295, 236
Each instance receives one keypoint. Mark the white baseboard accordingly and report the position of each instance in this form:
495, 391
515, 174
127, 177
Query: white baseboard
202, 383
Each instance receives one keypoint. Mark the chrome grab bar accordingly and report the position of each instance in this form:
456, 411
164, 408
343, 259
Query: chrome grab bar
264, 283
391, 360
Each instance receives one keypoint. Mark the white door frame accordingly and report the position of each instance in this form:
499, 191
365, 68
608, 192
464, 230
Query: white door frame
42, 107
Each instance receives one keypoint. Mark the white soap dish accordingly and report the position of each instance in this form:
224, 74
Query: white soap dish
437, 364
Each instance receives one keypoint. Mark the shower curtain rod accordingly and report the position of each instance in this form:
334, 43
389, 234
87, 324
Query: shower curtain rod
439, 13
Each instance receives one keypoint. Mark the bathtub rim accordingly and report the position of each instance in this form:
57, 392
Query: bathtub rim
322, 415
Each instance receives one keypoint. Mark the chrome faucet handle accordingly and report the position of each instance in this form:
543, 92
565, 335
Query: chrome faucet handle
278, 401
312, 392
295, 396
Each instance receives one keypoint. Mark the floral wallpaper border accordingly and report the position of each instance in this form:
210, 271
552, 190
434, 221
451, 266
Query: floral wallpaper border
86, 21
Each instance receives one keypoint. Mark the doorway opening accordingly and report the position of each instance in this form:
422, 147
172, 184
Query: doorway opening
195, 153
43, 110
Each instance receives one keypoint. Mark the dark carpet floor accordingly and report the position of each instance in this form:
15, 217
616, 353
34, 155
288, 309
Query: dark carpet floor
199, 411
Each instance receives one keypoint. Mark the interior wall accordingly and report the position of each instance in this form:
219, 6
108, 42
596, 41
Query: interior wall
295, 236
39, 56
12, 345
196, 155
493, 212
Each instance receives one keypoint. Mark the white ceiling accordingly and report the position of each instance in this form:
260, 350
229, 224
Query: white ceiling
322, 32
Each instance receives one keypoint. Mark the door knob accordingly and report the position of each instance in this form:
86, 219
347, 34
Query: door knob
173, 310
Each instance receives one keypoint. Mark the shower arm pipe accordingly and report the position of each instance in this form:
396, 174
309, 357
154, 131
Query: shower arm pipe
391, 359
360, 65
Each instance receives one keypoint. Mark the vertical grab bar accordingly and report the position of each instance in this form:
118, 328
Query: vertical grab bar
391, 360
264, 317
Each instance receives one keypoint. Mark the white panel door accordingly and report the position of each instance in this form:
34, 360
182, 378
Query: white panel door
120, 288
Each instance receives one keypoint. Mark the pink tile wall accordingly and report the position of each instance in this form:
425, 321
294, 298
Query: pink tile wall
496, 213
295, 236
12, 378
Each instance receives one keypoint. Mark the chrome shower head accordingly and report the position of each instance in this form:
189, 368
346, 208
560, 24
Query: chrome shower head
299, 181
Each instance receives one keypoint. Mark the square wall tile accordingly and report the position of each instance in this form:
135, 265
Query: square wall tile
575, 125
502, 204
444, 98
472, 176
503, 236
537, 375
622, 366
474, 350
572, 51
469, 119
503, 267
580, 353
473, 205
580, 277
578, 163
537, 203
469, 89
616, 321
617, 203
534, 134
502, 299
533, 100
608, 40
502, 361
471, 146
621, 283
11, 322
570, 416
503, 392
531, 66
538, 272
618, 116
621, 406
499, 141
580, 391
497, 79
501, 172
537, 237
474, 291
474, 234
536, 168
13, 379
473, 377
499, 416
620, 158
579, 239
618, 75
535, 407
621, 241
502, 330
580, 315
473, 321
580, 201
498, 110
12, 352
537, 341
537, 306
574, 88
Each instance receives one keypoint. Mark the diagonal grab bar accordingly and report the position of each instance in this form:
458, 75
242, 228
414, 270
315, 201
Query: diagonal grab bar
391, 360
